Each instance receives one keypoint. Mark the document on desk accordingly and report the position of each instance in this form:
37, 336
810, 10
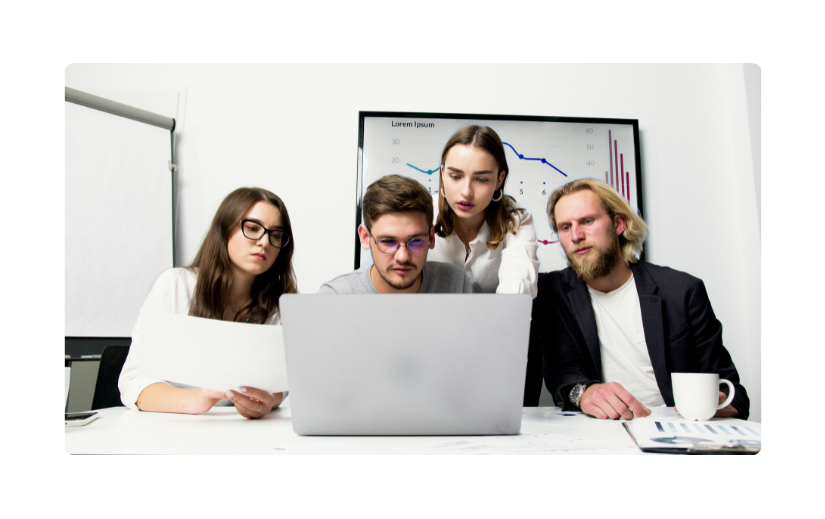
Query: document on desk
211, 354
679, 435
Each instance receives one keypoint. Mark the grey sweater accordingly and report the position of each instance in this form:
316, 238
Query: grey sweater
438, 278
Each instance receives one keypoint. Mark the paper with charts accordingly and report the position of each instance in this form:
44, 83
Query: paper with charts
211, 354
663, 433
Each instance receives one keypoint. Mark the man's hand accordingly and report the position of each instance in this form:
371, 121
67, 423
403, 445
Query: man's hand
725, 412
612, 401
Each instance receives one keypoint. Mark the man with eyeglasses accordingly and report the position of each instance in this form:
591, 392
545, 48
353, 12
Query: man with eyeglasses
398, 231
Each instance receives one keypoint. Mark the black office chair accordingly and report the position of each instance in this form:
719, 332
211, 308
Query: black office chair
534, 377
107, 393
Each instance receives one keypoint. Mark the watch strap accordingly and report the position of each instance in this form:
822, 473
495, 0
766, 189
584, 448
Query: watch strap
575, 395
584, 385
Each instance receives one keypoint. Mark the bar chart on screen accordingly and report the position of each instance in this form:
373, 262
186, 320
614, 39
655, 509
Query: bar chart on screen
619, 177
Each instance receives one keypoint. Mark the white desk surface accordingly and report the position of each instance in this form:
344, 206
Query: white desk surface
544, 430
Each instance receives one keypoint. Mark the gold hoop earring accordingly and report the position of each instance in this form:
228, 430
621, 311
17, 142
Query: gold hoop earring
500, 196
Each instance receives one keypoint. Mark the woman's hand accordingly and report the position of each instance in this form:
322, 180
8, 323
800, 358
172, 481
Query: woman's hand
254, 403
204, 400
164, 398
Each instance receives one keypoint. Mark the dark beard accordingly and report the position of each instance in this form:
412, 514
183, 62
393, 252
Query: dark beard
396, 285
598, 267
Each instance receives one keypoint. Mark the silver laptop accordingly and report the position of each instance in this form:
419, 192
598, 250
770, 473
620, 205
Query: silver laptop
420, 364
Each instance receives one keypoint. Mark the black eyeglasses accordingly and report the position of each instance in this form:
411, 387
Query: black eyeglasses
252, 230
387, 246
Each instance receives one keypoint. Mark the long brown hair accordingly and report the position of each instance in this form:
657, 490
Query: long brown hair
501, 215
214, 267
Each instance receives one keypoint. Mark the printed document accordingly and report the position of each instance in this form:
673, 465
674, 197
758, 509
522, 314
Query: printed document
211, 354
677, 433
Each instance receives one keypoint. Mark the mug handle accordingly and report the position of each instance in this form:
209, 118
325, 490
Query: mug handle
730, 396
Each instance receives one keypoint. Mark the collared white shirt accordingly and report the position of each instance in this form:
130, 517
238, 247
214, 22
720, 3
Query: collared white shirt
512, 268
171, 292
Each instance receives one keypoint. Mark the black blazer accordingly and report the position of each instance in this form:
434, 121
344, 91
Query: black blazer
681, 330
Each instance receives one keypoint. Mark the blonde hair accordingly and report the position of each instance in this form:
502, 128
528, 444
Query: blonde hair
501, 216
635, 232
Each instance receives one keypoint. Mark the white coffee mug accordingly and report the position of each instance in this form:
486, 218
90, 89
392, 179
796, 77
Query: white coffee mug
697, 394
67, 380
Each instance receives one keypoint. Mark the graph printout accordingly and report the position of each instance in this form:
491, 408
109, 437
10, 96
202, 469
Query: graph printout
657, 433
542, 154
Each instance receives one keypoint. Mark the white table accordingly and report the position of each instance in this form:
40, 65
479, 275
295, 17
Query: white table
544, 430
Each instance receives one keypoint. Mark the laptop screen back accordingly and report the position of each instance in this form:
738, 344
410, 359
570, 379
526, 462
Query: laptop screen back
423, 364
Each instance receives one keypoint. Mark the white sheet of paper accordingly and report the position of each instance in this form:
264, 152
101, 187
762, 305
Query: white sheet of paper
211, 354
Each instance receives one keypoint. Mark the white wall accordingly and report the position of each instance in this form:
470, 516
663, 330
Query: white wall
753, 277
753, 93
293, 129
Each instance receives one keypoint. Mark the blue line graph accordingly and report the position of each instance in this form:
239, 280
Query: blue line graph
519, 155
522, 157
427, 171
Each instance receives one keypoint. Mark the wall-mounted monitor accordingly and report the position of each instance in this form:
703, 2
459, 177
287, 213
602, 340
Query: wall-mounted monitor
542, 154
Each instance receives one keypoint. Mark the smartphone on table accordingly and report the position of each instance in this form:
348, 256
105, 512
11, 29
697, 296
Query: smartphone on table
78, 419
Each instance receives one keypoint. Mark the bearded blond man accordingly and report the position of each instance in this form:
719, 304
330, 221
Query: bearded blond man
611, 327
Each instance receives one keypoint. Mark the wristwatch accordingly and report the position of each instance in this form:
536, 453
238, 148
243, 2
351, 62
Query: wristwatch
576, 394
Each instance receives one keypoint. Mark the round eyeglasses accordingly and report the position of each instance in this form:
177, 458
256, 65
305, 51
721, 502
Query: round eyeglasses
252, 230
390, 246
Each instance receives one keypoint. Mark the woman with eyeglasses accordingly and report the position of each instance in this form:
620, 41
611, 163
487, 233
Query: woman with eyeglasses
477, 226
242, 268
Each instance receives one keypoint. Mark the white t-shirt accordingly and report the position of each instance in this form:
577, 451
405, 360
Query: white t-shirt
512, 268
622, 343
171, 292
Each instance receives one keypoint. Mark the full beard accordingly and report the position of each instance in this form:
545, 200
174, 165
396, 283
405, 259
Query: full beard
597, 267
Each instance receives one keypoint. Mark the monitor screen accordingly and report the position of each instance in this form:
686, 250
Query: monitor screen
542, 154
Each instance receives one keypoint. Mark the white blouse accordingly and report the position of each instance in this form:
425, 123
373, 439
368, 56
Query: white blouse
171, 292
512, 268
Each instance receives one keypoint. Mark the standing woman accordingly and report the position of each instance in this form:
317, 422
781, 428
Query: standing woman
240, 271
477, 226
